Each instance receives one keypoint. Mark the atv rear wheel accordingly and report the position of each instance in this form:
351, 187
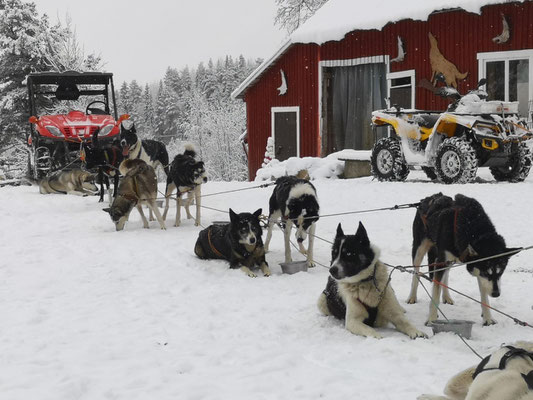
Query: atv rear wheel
387, 162
518, 167
456, 161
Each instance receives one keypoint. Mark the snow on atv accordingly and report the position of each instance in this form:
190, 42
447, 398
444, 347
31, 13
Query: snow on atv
67, 108
451, 145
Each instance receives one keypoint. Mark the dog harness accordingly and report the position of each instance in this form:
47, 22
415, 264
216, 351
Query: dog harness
211, 244
512, 352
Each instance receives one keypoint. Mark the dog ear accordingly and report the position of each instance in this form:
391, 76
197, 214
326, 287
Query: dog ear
232, 215
340, 232
361, 235
257, 214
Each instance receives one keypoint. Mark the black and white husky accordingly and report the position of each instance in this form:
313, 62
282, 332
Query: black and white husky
152, 152
295, 202
457, 230
359, 290
238, 242
186, 175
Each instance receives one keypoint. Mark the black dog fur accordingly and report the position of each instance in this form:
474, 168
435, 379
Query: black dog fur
186, 175
238, 242
294, 200
458, 230
150, 151
104, 159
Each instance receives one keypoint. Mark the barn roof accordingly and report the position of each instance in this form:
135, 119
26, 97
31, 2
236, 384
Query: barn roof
338, 17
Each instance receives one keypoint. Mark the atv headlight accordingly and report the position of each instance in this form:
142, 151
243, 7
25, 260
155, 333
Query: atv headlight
106, 130
54, 130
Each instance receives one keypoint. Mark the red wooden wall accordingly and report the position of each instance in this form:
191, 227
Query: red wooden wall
460, 36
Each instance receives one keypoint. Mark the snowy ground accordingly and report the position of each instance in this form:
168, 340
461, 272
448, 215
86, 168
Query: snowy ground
90, 313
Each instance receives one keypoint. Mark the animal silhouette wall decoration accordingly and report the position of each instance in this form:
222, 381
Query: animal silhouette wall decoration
439, 64
506, 33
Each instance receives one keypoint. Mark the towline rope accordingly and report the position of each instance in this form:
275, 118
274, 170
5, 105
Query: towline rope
422, 275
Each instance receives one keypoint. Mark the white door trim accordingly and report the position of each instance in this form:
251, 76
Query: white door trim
273, 111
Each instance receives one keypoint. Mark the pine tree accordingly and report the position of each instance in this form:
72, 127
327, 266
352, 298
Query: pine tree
23, 49
147, 116
124, 101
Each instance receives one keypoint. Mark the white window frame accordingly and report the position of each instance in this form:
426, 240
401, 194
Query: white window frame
410, 73
506, 56
385, 59
273, 111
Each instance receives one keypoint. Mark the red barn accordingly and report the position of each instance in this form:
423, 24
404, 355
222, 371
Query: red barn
315, 95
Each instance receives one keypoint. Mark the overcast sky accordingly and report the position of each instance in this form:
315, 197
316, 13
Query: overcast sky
140, 39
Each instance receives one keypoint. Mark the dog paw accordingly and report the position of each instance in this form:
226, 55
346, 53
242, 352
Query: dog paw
311, 265
251, 274
448, 300
488, 322
196, 224
429, 322
267, 273
375, 336
177, 224
417, 334
411, 300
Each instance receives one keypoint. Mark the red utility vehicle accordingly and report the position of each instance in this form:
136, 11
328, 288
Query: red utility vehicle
66, 108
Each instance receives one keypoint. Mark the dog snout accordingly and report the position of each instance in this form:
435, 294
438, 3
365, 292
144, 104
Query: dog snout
334, 271
252, 240
123, 142
300, 240
205, 179
495, 293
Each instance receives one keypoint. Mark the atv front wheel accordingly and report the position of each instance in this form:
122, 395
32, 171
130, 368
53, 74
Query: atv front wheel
456, 161
518, 167
387, 162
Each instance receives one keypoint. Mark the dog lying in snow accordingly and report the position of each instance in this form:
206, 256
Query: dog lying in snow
507, 374
75, 181
238, 242
358, 289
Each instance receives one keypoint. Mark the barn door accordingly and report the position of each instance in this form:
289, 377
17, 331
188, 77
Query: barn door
286, 132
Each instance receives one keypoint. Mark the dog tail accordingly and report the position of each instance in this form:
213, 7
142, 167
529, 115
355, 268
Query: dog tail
190, 150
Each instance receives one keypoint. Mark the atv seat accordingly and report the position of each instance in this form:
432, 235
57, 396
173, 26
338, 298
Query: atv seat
427, 120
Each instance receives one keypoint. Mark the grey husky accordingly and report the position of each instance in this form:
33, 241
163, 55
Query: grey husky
138, 187
75, 181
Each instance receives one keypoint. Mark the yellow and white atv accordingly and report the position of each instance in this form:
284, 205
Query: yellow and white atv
450, 146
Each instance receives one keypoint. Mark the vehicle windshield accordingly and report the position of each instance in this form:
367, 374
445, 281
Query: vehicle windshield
54, 99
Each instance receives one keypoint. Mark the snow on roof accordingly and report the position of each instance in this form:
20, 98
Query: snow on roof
336, 18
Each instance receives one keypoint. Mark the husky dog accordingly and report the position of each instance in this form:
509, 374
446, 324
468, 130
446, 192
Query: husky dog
75, 181
152, 152
105, 159
238, 242
457, 230
295, 201
139, 186
359, 290
507, 374
187, 175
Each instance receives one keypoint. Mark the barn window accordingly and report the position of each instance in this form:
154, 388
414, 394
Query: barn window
351, 90
508, 77
401, 89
